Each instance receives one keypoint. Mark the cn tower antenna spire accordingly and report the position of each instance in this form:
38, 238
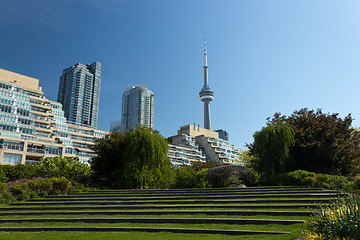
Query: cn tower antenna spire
206, 94
205, 53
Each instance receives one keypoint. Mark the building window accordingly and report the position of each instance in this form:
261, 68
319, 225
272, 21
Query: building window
12, 158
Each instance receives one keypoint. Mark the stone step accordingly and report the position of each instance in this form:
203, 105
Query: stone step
156, 220
166, 212
115, 195
132, 207
139, 229
205, 190
247, 201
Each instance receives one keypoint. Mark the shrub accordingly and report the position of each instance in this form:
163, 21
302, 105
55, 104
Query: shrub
3, 177
7, 197
24, 189
185, 177
42, 185
59, 166
3, 188
61, 185
15, 172
295, 178
275, 180
299, 177
42, 194
339, 220
20, 192
254, 177
33, 194
329, 181
357, 182
201, 179
78, 187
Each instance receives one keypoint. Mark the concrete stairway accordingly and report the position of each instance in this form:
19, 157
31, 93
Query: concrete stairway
155, 210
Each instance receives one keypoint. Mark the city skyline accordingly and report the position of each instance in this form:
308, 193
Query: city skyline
266, 57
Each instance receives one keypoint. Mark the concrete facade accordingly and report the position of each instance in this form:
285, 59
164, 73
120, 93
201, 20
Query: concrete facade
195, 144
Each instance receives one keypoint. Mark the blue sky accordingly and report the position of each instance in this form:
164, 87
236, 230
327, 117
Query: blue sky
263, 56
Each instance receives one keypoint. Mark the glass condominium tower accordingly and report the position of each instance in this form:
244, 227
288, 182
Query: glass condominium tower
79, 93
137, 107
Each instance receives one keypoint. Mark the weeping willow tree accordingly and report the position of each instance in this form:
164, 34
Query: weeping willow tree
147, 164
271, 148
139, 159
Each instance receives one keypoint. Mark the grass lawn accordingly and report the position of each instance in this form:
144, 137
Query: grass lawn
139, 236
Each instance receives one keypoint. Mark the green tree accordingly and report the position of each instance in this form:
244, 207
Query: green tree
137, 158
108, 164
60, 166
271, 148
324, 143
185, 177
245, 158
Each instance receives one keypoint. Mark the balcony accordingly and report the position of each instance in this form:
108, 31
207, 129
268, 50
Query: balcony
36, 150
11, 146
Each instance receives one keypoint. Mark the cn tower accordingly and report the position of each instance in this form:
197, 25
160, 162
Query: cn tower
206, 94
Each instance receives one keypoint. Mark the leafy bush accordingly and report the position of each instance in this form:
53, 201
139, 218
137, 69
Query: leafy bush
329, 181
3, 188
24, 189
201, 179
49, 186
3, 177
7, 197
62, 185
59, 166
357, 182
78, 187
15, 172
20, 192
42, 185
299, 177
185, 177
295, 178
339, 220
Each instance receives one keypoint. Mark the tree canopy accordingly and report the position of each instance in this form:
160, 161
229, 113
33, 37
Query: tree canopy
324, 143
137, 158
271, 147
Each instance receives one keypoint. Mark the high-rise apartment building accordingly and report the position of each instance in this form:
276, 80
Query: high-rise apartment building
79, 93
32, 126
137, 107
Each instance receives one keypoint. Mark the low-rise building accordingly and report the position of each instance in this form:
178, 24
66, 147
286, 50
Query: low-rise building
195, 144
